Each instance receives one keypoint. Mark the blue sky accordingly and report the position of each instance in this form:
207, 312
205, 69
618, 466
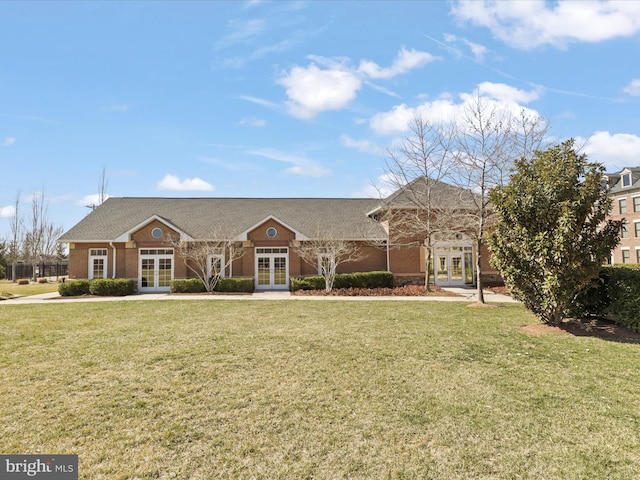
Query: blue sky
287, 99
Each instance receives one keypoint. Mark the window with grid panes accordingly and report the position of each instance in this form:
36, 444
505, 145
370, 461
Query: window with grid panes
626, 256
622, 204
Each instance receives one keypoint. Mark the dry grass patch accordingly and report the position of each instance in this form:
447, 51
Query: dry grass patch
246, 389
13, 289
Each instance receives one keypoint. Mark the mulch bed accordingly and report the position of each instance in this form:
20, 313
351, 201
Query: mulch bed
586, 327
406, 291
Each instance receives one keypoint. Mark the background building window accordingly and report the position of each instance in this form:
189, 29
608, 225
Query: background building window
622, 203
626, 180
626, 256
637, 229
636, 204
624, 230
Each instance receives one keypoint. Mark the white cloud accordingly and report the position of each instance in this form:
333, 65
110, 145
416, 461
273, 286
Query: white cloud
499, 97
302, 166
7, 212
381, 187
633, 88
253, 122
478, 51
7, 142
116, 107
90, 200
405, 60
312, 90
528, 24
615, 151
172, 182
364, 146
507, 93
259, 101
331, 83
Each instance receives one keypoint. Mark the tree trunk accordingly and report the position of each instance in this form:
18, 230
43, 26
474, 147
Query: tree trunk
427, 284
479, 272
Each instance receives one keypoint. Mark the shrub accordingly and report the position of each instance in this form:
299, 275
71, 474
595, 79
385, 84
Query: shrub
195, 285
312, 282
112, 287
241, 284
43, 280
74, 288
187, 285
615, 296
345, 280
23, 281
364, 280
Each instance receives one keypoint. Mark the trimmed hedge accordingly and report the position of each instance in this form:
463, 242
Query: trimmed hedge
225, 285
616, 296
345, 280
74, 288
112, 287
187, 285
234, 285
103, 287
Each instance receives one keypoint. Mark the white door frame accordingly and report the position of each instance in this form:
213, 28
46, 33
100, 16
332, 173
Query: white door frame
269, 257
155, 257
450, 252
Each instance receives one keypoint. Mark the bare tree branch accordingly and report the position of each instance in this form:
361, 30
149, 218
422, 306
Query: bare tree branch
208, 259
327, 251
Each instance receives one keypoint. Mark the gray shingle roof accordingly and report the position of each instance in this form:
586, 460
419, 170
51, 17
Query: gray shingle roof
202, 217
615, 180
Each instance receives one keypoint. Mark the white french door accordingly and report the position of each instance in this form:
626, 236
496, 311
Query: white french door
155, 270
453, 266
272, 268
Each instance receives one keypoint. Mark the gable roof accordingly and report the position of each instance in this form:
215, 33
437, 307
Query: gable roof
414, 195
200, 218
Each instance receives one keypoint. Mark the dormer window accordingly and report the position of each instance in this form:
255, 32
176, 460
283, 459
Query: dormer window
626, 180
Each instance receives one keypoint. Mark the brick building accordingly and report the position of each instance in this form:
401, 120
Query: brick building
624, 190
128, 238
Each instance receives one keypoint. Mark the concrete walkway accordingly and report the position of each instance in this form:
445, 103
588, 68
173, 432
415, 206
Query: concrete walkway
462, 295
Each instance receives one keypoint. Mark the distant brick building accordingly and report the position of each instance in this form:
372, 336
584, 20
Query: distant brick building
624, 190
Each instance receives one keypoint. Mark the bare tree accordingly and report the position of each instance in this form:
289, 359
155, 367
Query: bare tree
487, 141
35, 235
16, 237
208, 259
102, 190
327, 251
40, 237
425, 208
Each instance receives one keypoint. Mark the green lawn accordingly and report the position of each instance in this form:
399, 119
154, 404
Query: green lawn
11, 289
314, 389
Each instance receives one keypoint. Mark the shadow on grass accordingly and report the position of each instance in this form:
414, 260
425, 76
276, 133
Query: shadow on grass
594, 327
599, 328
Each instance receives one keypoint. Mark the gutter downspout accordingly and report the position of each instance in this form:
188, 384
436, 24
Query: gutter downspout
114, 259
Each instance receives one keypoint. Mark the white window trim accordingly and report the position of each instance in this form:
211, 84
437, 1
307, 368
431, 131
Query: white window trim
104, 257
210, 261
